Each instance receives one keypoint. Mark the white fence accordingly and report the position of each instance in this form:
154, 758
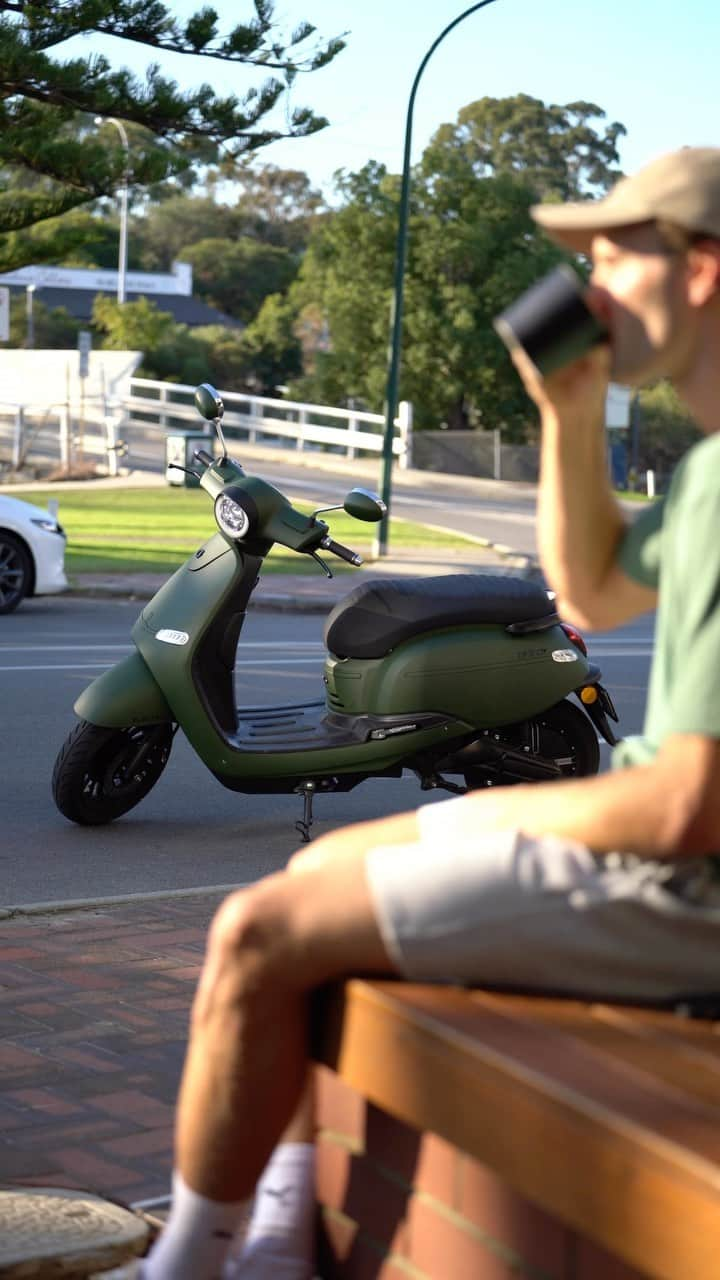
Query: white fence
139, 423
259, 418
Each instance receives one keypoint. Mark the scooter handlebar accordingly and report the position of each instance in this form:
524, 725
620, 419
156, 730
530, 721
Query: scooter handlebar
344, 553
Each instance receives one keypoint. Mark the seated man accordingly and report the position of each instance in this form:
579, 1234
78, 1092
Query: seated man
508, 886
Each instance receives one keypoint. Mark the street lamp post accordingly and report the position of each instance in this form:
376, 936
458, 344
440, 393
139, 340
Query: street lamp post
122, 253
393, 377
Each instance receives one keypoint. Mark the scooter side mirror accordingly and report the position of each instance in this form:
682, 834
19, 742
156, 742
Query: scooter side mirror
364, 505
208, 402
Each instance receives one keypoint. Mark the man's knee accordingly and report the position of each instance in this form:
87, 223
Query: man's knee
251, 929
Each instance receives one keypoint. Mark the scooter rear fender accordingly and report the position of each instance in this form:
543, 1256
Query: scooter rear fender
125, 695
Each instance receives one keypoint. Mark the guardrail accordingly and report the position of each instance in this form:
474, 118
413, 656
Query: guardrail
108, 430
170, 405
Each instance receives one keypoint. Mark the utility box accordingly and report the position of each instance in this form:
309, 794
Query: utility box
179, 449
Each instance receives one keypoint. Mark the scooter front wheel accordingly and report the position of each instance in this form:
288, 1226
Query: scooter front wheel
101, 773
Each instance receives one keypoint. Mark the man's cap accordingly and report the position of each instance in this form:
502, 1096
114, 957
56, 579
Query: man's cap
682, 187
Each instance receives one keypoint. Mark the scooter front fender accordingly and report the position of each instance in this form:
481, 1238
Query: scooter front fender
125, 695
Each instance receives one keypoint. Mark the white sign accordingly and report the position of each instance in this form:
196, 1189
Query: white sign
617, 407
4, 314
177, 282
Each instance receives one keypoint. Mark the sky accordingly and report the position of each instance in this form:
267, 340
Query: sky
651, 64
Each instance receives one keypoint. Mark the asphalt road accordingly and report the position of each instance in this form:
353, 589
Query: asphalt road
189, 831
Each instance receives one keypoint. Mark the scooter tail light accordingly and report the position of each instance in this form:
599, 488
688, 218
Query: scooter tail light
575, 637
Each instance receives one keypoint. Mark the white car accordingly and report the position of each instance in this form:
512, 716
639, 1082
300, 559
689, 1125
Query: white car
32, 552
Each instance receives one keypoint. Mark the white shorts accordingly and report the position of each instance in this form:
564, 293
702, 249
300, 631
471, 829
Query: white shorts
542, 914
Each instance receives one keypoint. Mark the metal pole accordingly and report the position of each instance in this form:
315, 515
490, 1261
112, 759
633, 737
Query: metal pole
122, 251
30, 335
393, 377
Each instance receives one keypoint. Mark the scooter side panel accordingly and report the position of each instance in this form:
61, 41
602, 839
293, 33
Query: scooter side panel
170, 633
481, 674
125, 695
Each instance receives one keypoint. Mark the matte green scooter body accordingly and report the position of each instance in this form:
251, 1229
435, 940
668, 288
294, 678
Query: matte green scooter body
462, 679
125, 695
479, 673
181, 609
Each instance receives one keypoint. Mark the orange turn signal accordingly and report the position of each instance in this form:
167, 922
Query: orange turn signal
588, 695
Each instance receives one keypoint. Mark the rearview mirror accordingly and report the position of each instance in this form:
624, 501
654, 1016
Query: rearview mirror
208, 402
364, 505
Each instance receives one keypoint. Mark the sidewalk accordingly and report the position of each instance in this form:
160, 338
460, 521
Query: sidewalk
313, 592
94, 1008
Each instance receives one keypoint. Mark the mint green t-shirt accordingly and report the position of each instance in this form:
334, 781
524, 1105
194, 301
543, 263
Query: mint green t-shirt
674, 546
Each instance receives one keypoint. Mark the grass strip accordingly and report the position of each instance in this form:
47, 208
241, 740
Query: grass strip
153, 530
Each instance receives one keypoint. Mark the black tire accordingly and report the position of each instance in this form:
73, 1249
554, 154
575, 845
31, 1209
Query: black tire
90, 780
15, 572
562, 735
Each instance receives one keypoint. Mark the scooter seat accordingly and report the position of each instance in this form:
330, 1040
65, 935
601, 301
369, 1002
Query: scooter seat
378, 615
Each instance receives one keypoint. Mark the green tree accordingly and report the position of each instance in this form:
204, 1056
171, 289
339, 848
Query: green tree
342, 295
557, 149
132, 326
272, 347
54, 327
472, 248
666, 429
278, 206
158, 236
236, 276
47, 104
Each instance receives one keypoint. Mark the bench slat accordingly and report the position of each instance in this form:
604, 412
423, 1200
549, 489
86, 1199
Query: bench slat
534, 1105
692, 1068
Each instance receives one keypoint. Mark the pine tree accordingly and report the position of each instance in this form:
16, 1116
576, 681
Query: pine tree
52, 155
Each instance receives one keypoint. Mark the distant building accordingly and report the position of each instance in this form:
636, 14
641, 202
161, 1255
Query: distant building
75, 289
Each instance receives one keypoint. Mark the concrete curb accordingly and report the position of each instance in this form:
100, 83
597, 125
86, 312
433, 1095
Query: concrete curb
11, 912
516, 564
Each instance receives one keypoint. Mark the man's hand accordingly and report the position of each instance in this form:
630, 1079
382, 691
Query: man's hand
573, 396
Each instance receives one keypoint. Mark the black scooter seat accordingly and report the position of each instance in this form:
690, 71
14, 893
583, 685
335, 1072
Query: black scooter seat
379, 615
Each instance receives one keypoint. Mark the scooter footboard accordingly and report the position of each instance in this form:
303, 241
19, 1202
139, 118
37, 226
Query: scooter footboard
125, 695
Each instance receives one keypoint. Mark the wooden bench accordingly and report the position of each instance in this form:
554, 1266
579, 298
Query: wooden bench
470, 1134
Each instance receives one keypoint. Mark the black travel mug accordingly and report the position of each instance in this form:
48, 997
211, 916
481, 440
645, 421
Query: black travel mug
551, 321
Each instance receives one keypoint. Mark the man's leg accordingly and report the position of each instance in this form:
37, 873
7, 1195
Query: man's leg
246, 1064
278, 1242
269, 946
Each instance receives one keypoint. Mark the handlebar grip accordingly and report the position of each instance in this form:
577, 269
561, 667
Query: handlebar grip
344, 553
203, 456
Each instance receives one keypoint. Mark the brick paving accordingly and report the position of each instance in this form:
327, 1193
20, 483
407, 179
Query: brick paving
94, 1008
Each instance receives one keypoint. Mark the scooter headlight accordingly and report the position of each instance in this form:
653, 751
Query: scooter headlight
231, 517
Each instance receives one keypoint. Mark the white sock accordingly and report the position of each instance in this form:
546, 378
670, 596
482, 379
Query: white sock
280, 1241
195, 1239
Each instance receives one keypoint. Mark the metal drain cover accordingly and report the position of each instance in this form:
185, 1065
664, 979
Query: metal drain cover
45, 1232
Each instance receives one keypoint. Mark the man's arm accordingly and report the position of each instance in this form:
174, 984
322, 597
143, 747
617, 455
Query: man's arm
580, 524
667, 809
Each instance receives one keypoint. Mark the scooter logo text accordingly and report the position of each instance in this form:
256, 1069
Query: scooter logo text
564, 655
172, 637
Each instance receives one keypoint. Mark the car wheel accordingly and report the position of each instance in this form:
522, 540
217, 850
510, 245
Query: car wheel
15, 572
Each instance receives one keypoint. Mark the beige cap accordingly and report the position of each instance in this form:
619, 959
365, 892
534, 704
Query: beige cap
682, 187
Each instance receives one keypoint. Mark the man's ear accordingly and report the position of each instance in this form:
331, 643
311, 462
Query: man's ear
703, 272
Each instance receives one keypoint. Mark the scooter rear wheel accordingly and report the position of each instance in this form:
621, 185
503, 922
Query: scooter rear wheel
101, 774
562, 735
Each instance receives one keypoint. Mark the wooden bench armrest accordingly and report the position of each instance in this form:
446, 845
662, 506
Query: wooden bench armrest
583, 1114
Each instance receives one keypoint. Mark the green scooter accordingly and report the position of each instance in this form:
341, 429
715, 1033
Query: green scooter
462, 674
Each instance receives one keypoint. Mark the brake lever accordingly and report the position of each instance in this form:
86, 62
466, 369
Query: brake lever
325, 568
175, 466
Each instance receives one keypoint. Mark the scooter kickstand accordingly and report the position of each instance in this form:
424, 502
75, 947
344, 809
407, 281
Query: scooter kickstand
307, 791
